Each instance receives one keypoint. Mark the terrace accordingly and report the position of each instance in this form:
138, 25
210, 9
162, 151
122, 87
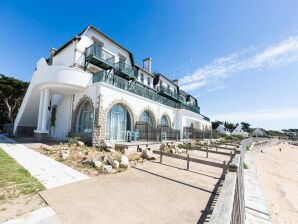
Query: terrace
96, 55
141, 90
125, 70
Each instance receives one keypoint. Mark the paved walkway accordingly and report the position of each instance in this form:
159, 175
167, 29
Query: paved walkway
41, 216
47, 170
255, 203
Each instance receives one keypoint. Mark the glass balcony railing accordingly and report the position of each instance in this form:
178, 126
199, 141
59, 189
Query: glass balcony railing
140, 90
125, 70
168, 93
96, 55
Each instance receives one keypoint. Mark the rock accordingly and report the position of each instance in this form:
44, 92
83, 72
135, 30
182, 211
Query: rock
80, 143
98, 164
115, 164
106, 169
107, 159
110, 150
87, 161
162, 147
46, 147
96, 158
64, 154
148, 154
172, 150
124, 163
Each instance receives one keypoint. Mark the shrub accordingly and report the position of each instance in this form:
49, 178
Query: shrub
72, 140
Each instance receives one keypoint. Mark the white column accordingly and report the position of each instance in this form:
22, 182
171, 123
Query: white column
45, 110
40, 110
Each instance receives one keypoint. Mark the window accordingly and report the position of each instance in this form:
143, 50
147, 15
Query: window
164, 121
85, 118
118, 123
145, 117
142, 77
168, 86
148, 81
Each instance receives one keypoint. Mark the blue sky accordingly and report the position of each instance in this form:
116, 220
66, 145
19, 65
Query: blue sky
239, 58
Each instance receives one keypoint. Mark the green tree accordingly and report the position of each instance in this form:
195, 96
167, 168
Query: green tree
12, 92
230, 126
215, 124
245, 126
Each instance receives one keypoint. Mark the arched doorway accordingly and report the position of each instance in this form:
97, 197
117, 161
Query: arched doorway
146, 118
146, 126
164, 127
118, 123
85, 118
165, 121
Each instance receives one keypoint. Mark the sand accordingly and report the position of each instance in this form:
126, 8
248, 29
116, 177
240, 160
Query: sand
277, 172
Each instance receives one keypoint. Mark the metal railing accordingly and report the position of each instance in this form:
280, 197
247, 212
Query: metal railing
98, 52
123, 67
140, 90
168, 92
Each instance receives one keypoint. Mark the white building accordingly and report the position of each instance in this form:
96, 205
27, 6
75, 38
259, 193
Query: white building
221, 129
259, 132
91, 87
239, 131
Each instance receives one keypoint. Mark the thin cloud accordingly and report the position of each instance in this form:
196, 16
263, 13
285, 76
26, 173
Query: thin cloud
259, 115
280, 54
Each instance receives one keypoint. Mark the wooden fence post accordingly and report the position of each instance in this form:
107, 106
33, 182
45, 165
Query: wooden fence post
224, 169
187, 161
231, 156
206, 152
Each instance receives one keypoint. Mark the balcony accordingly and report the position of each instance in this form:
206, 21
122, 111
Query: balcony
168, 93
137, 89
191, 108
141, 90
97, 56
125, 70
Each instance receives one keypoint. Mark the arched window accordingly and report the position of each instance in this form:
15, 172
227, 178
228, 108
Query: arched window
85, 118
118, 123
145, 117
164, 121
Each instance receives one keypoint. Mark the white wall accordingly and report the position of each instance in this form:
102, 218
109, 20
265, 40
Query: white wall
109, 46
63, 118
65, 57
146, 76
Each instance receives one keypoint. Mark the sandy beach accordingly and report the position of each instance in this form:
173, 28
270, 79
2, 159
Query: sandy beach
277, 172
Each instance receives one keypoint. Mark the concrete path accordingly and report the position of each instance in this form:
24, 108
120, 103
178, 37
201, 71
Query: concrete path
255, 203
41, 216
47, 170
148, 193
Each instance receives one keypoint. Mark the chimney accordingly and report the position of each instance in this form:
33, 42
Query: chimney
52, 52
147, 64
175, 81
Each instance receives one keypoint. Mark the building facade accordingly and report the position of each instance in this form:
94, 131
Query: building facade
92, 88
239, 131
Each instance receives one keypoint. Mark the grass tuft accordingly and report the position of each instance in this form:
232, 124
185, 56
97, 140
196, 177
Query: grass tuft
15, 180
